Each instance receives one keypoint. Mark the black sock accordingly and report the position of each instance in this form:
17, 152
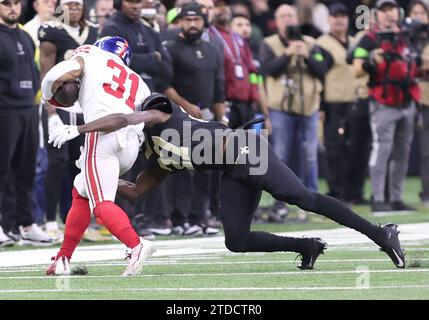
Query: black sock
258, 241
340, 213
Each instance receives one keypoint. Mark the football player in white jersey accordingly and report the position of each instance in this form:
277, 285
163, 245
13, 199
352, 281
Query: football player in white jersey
107, 86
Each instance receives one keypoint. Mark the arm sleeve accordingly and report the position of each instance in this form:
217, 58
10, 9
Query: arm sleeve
46, 33
270, 64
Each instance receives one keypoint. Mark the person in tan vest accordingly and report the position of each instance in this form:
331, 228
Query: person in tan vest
418, 11
293, 67
338, 105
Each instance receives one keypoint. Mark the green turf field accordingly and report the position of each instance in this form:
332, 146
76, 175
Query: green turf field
350, 271
355, 272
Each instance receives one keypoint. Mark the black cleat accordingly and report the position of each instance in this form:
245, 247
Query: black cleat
316, 246
392, 246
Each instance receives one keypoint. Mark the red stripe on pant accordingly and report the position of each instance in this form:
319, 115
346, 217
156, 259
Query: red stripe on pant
92, 174
96, 170
87, 160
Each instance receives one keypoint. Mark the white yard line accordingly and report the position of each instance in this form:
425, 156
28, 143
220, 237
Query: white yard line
221, 274
199, 246
213, 289
179, 263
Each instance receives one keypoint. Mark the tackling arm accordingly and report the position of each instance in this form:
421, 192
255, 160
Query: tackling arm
116, 121
108, 123
146, 180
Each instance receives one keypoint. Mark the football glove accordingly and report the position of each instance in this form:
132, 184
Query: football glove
62, 134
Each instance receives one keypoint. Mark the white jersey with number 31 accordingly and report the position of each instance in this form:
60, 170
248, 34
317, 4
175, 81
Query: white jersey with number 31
107, 85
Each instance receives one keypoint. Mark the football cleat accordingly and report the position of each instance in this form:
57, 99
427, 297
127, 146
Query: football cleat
138, 256
392, 246
316, 246
59, 267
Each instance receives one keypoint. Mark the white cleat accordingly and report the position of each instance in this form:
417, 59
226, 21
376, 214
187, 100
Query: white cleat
138, 256
59, 267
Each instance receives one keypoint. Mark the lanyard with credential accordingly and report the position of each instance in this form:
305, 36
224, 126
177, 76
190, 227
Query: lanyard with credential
226, 46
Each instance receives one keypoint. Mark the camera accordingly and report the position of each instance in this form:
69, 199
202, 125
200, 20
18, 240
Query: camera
293, 33
417, 34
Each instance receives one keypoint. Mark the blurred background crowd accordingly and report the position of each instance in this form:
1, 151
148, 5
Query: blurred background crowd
344, 96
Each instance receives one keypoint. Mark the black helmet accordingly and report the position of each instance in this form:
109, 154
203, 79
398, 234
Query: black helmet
157, 101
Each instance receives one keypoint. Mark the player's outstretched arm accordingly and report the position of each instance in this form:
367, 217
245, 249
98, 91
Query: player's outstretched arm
107, 124
117, 121
146, 181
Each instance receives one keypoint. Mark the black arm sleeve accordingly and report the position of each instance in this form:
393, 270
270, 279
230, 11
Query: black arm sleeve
272, 65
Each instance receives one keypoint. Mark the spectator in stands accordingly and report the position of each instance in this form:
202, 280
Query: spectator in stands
45, 10
339, 95
241, 87
419, 12
256, 36
294, 67
103, 11
198, 86
263, 17
394, 92
149, 58
18, 122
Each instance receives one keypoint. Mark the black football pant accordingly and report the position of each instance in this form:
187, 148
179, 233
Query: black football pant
240, 195
19, 140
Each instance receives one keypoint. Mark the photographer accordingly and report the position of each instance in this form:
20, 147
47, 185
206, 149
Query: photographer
293, 67
384, 53
419, 13
339, 95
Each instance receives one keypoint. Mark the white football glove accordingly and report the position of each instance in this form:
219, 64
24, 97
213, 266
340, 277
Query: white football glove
62, 134
54, 121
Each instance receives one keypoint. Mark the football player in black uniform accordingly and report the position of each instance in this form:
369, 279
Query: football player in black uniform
175, 141
58, 39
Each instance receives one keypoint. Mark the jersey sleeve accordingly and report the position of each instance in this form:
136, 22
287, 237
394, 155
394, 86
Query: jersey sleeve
47, 32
